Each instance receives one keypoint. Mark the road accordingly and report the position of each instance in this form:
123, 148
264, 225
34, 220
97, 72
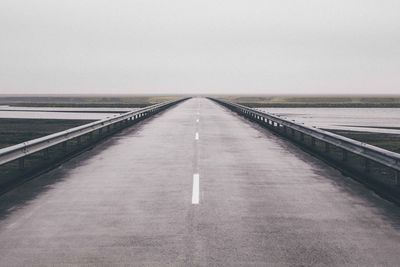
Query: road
196, 185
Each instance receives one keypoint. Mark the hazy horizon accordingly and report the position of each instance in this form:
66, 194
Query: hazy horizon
130, 95
200, 47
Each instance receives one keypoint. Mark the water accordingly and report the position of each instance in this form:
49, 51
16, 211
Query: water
353, 119
60, 113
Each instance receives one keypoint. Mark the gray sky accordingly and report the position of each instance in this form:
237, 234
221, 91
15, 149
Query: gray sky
207, 46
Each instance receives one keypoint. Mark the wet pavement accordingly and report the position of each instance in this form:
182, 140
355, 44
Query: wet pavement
133, 201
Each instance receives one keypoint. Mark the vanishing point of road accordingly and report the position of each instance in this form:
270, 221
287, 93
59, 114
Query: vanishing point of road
196, 185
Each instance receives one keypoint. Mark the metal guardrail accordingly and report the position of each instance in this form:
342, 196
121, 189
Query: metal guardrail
22, 150
345, 146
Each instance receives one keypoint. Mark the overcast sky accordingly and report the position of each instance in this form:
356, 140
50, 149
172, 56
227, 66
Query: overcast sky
205, 46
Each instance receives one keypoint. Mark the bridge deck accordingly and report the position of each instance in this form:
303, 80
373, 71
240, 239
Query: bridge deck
262, 201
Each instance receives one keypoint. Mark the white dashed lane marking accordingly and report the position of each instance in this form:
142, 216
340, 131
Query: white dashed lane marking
196, 188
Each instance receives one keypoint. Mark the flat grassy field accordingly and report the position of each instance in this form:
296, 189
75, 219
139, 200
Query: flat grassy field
15, 131
379, 101
386, 141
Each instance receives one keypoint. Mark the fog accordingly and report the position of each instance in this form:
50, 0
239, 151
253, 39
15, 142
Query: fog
185, 46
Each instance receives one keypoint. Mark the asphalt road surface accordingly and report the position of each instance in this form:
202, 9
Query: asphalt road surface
196, 185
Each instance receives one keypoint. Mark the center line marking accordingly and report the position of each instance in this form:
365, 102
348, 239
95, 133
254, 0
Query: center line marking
195, 192
197, 136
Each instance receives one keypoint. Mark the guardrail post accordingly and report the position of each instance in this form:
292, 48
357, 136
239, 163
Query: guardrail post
46, 154
21, 163
64, 146
327, 147
367, 165
302, 136
344, 155
78, 140
396, 177
312, 141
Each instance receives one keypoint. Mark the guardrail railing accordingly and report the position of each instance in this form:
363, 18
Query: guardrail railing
370, 163
51, 148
